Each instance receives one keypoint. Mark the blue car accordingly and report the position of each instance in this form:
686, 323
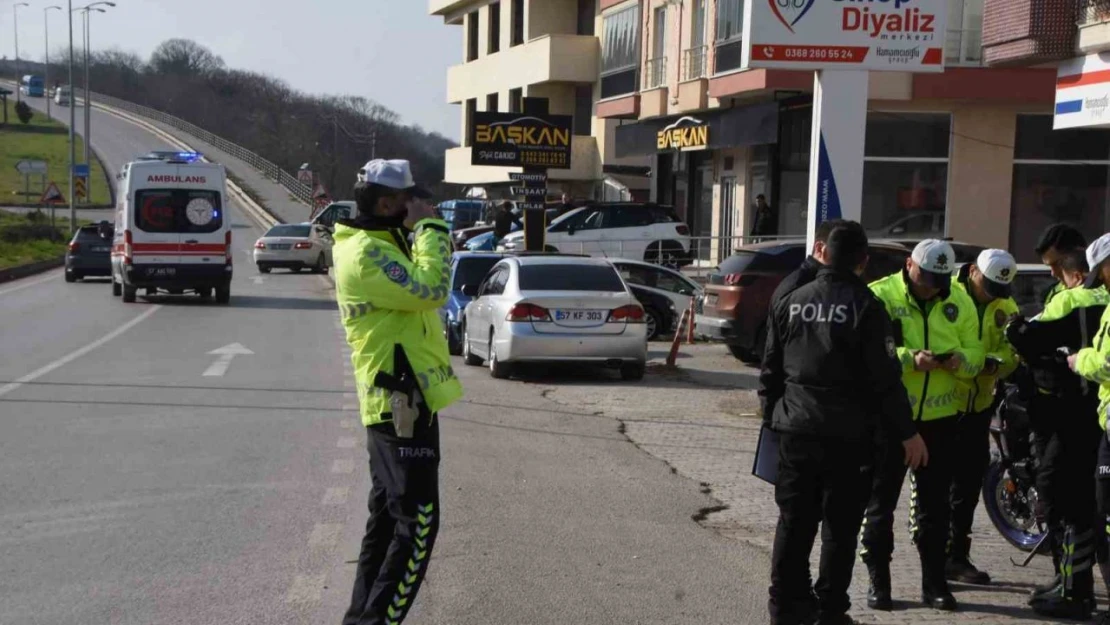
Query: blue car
467, 268
485, 242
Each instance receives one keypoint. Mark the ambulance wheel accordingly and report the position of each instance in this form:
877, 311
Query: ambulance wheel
129, 293
117, 288
223, 294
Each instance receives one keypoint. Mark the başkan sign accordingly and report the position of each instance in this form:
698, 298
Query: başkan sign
877, 35
687, 133
520, 140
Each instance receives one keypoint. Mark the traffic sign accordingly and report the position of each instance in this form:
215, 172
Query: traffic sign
52, 195
305, 176
518, 177
530, 191
81, 170
528, 206
28, 168
79, 187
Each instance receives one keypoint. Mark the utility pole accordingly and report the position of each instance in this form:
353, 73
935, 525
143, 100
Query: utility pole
88, 138
18, 65
46, 79
72, 121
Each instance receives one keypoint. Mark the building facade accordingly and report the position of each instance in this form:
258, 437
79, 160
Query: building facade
968, 153
513, 49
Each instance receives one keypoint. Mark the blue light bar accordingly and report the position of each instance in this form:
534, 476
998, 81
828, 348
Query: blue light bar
188, 157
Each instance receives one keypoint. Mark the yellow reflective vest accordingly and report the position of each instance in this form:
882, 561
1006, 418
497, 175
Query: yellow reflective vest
991, 320
1093, 363
946, 324
388, 299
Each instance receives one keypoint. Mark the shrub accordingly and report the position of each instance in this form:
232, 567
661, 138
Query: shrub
23, 112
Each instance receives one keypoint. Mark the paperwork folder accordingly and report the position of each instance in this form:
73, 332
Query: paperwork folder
766, 466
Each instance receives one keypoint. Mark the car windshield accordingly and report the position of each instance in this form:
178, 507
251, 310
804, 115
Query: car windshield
561, 218
286, 230
560, 277
93, 234
472, 270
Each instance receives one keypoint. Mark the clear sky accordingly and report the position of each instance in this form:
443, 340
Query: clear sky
391, 51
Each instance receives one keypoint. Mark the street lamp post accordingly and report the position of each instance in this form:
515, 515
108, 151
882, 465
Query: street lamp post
86, 34
46, 34
72, 121
15, 24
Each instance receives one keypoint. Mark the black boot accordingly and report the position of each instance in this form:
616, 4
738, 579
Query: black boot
1053, 587
960, 569
937, 596
878, 594
1064, 607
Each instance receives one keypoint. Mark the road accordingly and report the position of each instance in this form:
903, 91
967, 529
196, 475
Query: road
138, 490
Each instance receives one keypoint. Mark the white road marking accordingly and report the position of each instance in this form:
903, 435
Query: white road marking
257, 279
306, 589
226, 354
345, 465
74, 355
325, 534
336, 496
347, 442
52, 276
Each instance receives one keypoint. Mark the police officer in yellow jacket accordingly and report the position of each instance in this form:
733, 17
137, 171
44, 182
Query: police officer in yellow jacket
937, 337
388, 296
989, 283
1093, 364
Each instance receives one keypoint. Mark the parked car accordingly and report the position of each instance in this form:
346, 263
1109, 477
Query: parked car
62, 95
660, 314
466, 235
485, 242
294, 247
460, 214
90, 252
618, 230
917, 225
738, 293
333, 212
965, 252
552, 308
466, 268
662, 280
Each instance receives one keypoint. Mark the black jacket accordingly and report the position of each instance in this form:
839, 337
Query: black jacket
829, 368
803, 275
1068, 321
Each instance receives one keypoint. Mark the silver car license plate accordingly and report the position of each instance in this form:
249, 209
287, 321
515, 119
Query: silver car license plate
580, 316
100, 248
280, 246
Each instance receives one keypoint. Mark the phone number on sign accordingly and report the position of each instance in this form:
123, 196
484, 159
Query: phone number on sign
821, 54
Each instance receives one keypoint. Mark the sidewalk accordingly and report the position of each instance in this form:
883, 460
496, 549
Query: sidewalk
700, 420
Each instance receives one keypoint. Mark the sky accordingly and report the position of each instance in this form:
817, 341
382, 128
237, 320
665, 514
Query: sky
390, 51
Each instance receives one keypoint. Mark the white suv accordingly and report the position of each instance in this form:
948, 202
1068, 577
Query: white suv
616, 230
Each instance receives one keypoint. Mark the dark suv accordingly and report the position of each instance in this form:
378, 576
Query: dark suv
90, 252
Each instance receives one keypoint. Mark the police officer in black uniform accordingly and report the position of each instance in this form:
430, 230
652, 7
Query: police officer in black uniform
829, 373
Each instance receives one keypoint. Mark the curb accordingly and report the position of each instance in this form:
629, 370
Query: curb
30, 269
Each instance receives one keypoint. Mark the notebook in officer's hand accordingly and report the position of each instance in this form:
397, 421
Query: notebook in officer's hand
766, 466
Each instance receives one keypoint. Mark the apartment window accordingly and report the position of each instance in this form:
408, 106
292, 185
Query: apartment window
471, 36
693, 58
656, 69
491, 102
964, 40
1059, 176
494, 45
516, 100
730, 31
518, 23
587, 12
583, 110
468, 119
905, 173
620, 53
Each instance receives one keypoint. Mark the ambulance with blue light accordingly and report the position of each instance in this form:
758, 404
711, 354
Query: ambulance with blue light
172, 233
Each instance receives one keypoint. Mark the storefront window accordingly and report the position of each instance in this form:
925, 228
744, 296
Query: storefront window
905, 174
1059, 176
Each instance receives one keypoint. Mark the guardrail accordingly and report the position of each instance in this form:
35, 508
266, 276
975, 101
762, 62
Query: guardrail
296, 188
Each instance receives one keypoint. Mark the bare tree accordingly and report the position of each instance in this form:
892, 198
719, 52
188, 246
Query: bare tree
184, 56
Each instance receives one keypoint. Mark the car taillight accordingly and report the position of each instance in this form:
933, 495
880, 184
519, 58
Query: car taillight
227, 247
127, 247
682, 229
74, 246
303, 245
259, 245
528, 312
627, 314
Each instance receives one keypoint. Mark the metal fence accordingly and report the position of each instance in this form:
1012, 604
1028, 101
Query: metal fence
655, 73
296, 188
693, 62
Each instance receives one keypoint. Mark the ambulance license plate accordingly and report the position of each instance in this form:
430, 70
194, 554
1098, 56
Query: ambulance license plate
161, 272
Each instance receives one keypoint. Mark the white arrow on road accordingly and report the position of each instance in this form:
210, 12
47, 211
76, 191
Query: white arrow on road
226, 354
258, 279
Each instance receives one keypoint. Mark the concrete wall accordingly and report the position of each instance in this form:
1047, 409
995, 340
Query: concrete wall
547, 17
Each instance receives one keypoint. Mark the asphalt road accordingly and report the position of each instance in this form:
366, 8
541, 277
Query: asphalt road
137, 490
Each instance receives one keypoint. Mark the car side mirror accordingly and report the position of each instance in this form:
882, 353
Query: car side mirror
898, 230
470, 290
685, 292
570, 230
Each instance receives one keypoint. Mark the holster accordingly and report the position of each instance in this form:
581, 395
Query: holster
405, 397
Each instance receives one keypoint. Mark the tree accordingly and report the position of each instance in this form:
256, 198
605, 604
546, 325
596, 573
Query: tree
184, 57
23, 112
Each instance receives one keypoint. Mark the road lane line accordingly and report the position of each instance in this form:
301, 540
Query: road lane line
345, 465
336, 496
306, 590
32, 283
325, 535
351, 407
74, 355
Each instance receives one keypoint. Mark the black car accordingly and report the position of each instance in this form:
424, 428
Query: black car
90, 252
659, 311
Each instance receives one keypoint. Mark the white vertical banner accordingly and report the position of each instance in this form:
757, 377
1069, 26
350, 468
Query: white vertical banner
836, 152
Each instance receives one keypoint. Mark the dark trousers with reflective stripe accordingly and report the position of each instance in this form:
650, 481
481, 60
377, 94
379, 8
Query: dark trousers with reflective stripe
970, 467
821, 482
401, 530
930, 488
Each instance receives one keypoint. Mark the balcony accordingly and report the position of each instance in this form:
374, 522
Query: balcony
1093, 19
547, 59
693, 62
1021, 34
655, 73
585, 161
963, 48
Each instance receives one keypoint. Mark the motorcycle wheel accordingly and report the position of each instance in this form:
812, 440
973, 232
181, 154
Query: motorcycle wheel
1011, 513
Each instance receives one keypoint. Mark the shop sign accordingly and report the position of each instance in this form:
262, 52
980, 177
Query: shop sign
688, 133
876, 35
1082, 93
519, 140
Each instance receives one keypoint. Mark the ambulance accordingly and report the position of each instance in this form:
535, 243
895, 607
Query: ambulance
172, 234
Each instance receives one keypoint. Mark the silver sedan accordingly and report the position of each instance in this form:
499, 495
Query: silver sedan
295, 247
554, 308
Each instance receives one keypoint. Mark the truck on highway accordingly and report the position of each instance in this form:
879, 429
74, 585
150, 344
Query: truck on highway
171, 231
33, 86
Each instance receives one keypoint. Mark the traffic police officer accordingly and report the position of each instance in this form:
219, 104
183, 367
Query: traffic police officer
989, 283
936, 330
1093, 363
388, 294
1062, 413
828, 371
